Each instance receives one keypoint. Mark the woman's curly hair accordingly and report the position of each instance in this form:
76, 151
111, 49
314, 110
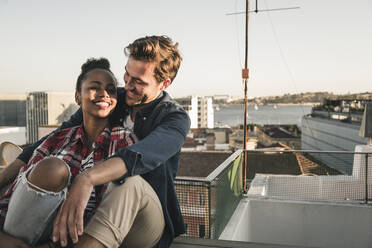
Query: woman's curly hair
92, 64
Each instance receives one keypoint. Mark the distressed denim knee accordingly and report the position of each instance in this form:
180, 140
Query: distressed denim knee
31, 212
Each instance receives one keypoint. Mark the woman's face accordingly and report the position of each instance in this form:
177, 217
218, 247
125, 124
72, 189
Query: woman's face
98, 94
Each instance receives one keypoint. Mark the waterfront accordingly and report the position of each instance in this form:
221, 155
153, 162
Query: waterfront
233, 115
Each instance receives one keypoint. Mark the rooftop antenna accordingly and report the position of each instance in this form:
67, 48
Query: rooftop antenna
245, 77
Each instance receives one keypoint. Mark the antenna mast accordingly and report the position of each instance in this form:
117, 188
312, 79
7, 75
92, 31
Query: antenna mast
245, 77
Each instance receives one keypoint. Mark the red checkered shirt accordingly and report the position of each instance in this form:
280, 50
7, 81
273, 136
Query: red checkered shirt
68, 145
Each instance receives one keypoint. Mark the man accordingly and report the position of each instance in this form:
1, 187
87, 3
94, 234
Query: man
143, 173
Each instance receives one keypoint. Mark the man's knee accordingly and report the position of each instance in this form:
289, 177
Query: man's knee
50, 174
132, 185
131, 211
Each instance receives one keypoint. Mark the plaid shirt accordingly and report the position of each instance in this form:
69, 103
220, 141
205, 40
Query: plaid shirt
68, 145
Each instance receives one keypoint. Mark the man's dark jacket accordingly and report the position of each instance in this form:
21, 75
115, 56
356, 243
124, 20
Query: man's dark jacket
161, 127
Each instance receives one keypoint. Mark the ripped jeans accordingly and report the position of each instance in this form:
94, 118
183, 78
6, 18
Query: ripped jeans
31, 212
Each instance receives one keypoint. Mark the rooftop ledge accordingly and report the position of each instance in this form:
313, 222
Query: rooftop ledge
187, 242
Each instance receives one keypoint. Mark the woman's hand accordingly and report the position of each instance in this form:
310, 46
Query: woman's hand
7, 241
70, 215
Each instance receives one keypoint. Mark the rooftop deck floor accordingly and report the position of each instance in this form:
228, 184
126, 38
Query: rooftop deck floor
186, 242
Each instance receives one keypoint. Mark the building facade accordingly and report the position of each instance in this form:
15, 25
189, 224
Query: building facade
46, 108
13, 110
200, 110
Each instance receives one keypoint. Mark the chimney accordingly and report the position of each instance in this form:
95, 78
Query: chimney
211, 138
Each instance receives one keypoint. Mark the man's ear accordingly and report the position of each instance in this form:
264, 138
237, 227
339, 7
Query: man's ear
166, 83
77, 98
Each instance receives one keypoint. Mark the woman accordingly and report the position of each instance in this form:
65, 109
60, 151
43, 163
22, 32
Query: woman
43, 183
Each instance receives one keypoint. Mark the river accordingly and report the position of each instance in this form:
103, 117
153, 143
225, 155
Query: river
233, 115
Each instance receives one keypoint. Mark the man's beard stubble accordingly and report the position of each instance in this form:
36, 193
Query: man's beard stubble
142, 101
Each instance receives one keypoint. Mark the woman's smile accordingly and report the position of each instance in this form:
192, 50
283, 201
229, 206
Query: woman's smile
102, 104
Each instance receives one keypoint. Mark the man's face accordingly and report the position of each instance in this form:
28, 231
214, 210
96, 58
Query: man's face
140, 82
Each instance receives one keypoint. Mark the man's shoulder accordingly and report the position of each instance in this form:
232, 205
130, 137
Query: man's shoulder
170, 108
170, 103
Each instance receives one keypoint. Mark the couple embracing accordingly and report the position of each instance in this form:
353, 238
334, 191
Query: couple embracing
105, 177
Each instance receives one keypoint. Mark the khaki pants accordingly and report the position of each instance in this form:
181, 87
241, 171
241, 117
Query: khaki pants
129, 214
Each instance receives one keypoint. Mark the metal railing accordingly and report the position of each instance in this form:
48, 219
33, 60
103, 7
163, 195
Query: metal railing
208, 203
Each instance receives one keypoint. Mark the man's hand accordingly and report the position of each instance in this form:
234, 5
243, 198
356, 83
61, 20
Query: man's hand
7, 241
70, 215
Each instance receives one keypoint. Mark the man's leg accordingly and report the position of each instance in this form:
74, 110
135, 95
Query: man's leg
130, 213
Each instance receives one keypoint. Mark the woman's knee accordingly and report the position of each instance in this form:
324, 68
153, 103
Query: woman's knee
50, 174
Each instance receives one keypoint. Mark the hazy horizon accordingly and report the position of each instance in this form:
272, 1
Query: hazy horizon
232, 96
323, 46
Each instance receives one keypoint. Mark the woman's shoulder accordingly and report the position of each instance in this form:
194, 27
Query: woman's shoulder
66, 131
54, 142
62, 134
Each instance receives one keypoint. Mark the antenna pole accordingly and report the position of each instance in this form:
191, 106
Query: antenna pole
256, 10
246, 34
245, 76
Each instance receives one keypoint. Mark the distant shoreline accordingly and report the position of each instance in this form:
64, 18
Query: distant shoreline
271, 104
294, 104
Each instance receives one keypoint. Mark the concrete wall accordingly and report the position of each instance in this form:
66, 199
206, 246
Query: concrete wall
57, 103
220, 136
313, 224
16, 135
45, 130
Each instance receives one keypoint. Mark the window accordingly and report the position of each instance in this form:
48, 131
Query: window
201, 231
201, 199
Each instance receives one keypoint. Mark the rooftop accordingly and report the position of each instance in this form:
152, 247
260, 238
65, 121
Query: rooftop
187, 242
200, 164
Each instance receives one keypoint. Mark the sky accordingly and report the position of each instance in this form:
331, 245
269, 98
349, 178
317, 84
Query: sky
325, 45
